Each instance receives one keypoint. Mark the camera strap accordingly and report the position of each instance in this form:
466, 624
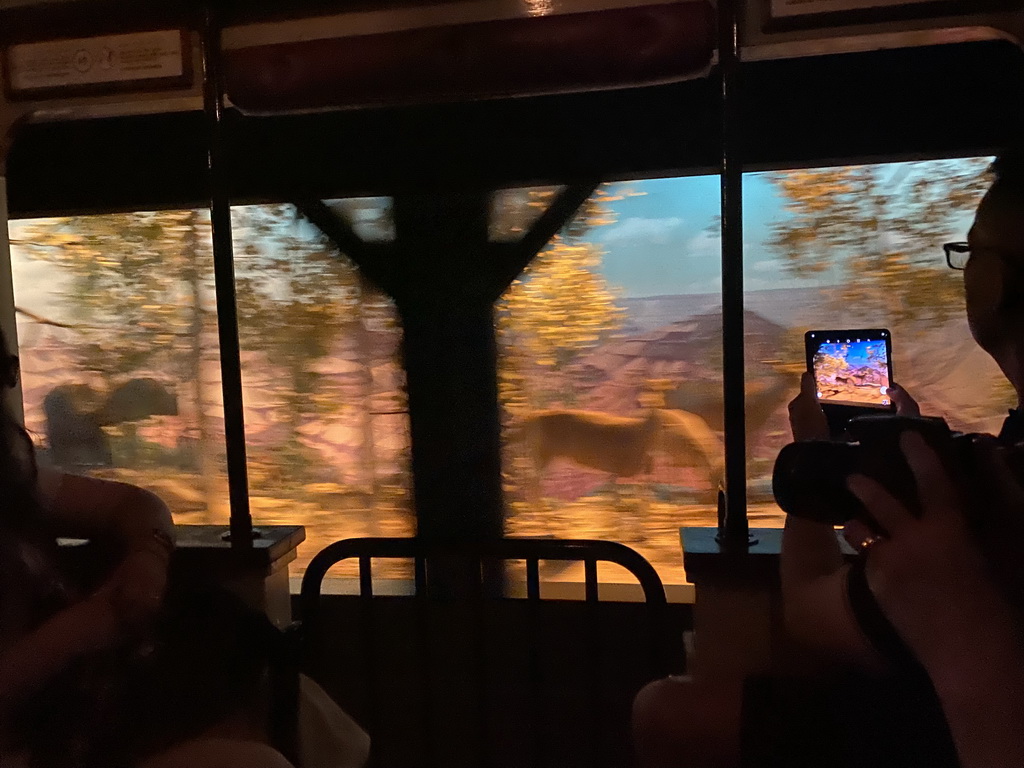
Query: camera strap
872, 622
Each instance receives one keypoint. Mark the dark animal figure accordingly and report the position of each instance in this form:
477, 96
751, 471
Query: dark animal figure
75, 415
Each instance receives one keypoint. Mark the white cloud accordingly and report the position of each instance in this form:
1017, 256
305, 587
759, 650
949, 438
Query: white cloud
703, 245
639, 228
766, 265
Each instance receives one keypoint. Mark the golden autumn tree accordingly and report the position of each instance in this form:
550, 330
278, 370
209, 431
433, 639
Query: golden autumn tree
302, 302
136, 290
561, 306
878, 231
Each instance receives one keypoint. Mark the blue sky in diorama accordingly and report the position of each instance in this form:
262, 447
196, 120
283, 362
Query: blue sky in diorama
665, 240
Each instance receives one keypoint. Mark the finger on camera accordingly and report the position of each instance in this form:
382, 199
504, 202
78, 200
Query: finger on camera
934, 488
857, 532
905, 404
882, 507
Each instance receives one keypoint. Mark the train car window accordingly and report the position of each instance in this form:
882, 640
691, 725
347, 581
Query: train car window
117, 331
327, 427
371, 218
513, 211
610, 372
861, 247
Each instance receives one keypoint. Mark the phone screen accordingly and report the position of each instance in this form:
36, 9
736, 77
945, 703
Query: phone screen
851, 367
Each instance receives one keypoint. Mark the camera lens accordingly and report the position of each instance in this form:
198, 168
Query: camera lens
809, 481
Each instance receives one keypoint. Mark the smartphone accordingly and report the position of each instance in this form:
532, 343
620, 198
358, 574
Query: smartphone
852, 372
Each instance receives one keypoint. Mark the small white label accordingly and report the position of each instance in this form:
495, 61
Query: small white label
787, 8
138, 56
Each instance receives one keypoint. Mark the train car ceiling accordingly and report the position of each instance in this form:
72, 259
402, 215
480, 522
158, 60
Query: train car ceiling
565, 124
900, 104
511, 57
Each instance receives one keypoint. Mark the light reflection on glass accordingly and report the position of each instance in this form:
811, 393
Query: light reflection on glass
371, 218
539, 7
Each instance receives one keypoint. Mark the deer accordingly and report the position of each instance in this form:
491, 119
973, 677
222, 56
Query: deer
687, 441
619, 445
764, 394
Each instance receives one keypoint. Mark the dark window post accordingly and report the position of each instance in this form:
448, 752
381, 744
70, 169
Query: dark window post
733, 530
224, 281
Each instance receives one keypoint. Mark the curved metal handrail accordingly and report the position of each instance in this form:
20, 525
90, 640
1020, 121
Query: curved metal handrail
529, 549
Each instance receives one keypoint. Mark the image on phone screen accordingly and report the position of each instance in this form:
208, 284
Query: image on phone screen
850, 369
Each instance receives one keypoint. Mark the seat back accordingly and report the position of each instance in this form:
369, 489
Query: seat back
482, 679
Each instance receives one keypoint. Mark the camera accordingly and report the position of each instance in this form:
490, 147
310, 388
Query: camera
809, 480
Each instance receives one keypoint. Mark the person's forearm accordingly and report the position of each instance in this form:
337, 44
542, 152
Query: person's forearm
139, 513
91, 507
983, 700
976, 665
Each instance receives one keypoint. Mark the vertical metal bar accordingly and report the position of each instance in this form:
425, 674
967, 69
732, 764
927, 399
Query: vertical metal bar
426, 661
365, 576
482, 674
734, 531
535, 692
533, 578
590, 579
224, 282
368, 637
598, 754
424, 645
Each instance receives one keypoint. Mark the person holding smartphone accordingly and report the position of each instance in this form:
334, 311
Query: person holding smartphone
814, 573
992, 260
963, 665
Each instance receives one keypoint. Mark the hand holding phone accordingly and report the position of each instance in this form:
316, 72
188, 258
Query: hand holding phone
852, 372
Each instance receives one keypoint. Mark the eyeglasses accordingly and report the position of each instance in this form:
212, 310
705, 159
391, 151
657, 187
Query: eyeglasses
957, 254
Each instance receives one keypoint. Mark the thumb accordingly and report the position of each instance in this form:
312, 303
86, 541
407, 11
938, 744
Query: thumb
807, 385
905, 404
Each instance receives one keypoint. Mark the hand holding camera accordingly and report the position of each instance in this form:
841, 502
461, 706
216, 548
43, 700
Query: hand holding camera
925, 569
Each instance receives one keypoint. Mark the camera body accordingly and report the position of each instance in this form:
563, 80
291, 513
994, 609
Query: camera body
809, 480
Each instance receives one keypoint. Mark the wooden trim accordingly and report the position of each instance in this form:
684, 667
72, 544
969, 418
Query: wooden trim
890, 14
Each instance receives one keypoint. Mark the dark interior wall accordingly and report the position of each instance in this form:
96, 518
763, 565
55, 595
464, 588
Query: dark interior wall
901, 104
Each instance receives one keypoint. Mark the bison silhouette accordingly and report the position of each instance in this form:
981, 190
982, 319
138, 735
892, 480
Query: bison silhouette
76, 414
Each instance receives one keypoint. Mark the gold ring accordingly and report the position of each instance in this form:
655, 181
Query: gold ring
868, 542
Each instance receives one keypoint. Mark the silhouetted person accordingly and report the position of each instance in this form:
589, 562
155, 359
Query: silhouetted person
109, 675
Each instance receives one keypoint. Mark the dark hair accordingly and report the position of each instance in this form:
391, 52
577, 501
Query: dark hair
18, 502
1008, 170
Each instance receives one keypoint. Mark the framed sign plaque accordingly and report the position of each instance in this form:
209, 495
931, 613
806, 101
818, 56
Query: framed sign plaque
87, 66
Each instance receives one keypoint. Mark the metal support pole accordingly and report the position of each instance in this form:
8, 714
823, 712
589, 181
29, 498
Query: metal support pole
733, 530
224, 281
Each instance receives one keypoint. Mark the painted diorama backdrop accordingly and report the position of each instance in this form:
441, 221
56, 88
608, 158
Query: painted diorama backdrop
610, 367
